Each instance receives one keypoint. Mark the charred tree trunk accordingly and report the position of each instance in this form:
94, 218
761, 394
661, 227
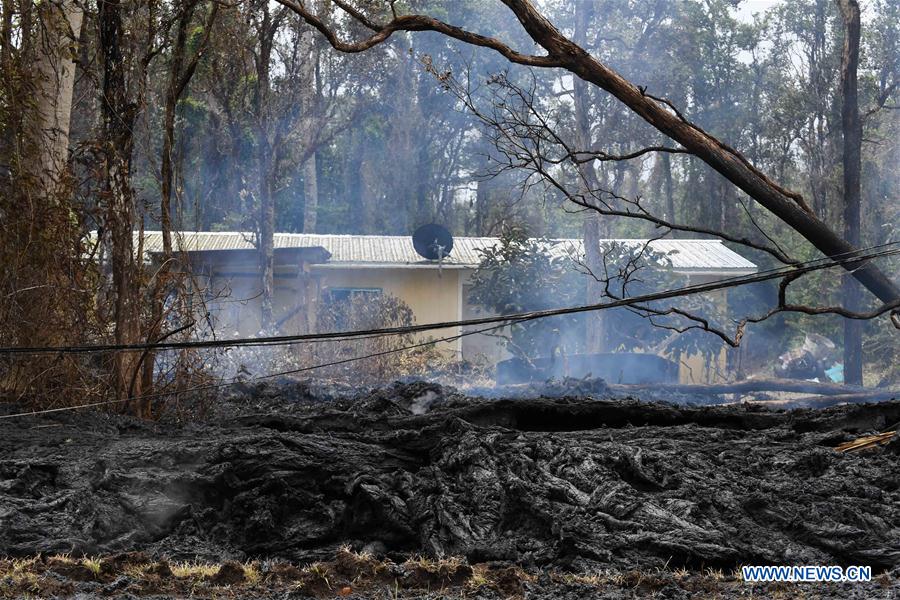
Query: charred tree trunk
852, 132
118, 142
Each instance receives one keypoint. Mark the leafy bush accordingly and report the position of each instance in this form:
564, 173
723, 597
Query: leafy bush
526, 274
521, 274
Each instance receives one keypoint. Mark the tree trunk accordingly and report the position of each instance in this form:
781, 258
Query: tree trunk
311, 195
7, 9
668, 188
38, 46
118, 125
179, 77
588, 184
166, 177
818, 74
59, 31
309, 83
353, 184
852, 132
368, 196
483, 201
265, 164
174, 89
266, 229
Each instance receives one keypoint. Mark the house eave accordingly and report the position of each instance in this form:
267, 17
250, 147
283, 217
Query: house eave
715, 272
329, 266
390, 265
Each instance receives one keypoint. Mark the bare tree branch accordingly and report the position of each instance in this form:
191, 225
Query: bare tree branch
562, 52
411, 23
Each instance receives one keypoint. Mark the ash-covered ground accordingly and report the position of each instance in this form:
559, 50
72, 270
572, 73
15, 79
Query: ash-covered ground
576, 496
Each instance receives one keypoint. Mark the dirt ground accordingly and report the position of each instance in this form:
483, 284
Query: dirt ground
416, 490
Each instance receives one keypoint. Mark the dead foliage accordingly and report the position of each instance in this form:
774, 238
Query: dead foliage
365, 360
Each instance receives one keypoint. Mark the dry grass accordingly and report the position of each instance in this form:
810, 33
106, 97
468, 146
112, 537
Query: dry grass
93, 564
252, 574
20, 572
194, 570
363, 575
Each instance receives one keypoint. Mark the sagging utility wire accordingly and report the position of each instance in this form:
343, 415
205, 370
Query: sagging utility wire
221, 384
509, 319
866, 254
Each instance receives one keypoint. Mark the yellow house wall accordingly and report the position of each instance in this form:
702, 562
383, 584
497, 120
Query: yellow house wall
694, 368
235, 304
433, 297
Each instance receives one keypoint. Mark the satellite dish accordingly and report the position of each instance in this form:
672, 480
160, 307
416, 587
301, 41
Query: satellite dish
433, 241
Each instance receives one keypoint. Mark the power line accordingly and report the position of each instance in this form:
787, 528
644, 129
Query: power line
221, 384
800, 268
521, 317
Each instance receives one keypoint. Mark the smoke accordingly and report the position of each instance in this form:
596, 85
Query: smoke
411, 154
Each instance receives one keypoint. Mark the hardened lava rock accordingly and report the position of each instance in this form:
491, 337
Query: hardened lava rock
571, 483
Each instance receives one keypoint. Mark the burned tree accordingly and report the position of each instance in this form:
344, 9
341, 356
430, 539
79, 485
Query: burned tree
851, 126
119, 114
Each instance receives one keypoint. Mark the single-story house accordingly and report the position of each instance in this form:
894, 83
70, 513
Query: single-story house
309, 267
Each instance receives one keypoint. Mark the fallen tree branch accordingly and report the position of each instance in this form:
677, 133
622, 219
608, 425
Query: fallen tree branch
747, 387
872, 396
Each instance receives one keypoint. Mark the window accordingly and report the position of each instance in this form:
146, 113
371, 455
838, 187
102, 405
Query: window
340, 294
341, 306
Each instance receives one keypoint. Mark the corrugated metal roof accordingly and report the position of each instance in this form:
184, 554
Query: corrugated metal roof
396, 250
